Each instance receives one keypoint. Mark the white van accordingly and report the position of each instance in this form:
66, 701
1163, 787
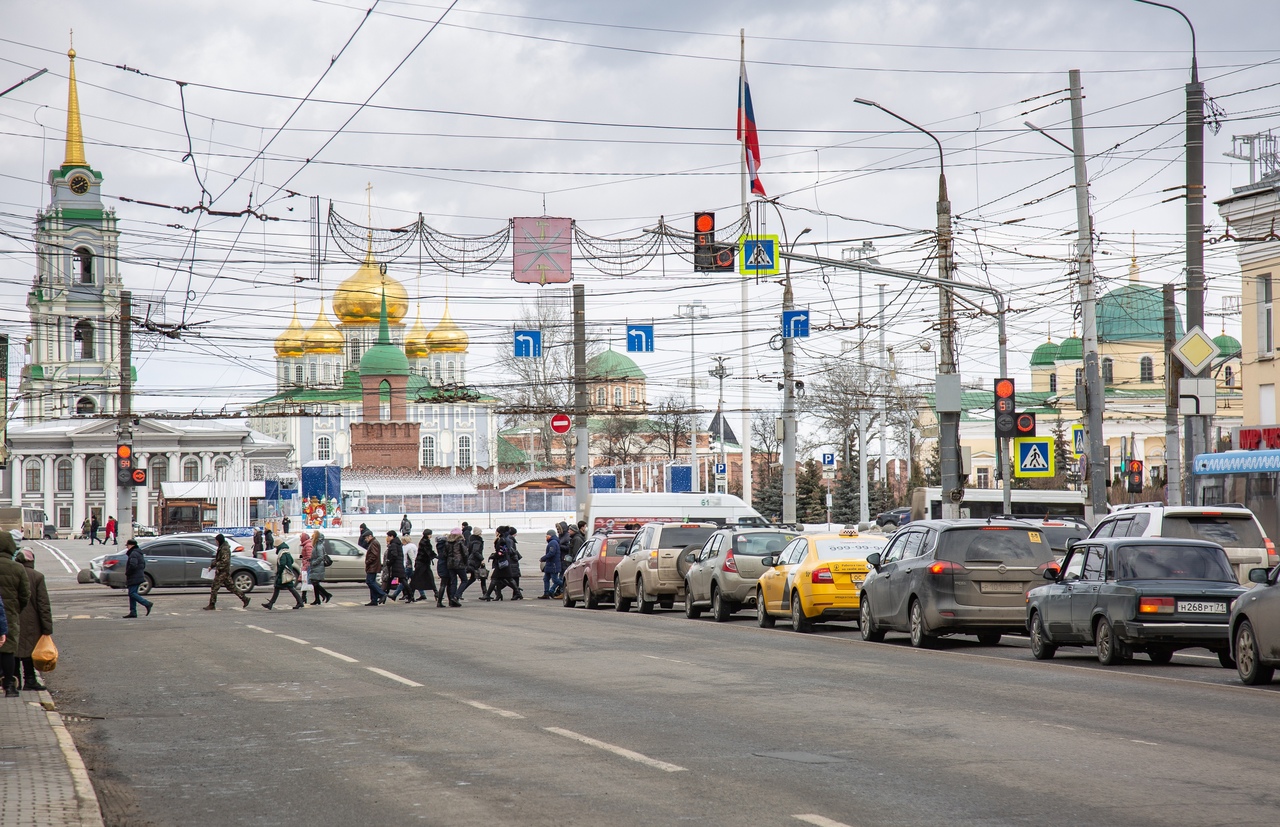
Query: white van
606, 511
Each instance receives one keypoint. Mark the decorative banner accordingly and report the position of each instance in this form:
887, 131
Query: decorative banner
639, 338
541, 250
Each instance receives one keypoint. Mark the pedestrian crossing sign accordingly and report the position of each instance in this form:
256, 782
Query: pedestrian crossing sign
1033, 456
758, 255
1077, 441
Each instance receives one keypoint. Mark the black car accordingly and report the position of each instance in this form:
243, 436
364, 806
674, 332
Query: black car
894, 517
1136, 594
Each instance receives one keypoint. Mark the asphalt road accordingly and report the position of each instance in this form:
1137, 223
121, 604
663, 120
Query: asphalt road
529, 713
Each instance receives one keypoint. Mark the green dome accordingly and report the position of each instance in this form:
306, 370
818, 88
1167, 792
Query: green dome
1071, 350
613, 365
1044, 356
384, 360
1133, 313
1229, 345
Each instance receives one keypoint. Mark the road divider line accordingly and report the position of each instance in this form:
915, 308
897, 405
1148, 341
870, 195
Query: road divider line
334, 654
616, 750
259, 628
506, 713
819, 821
1148, 743
294, 639
61, 556
393, 676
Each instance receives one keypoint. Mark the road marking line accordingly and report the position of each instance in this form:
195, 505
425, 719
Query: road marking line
294, 639
82, 617
619, 751
61, 557
344, 603
506, 713
819, 821
259, 628
669, 660
334, 654
1148, 743
392, 675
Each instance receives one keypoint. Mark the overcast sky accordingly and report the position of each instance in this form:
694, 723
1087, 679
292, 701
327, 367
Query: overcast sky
614, 115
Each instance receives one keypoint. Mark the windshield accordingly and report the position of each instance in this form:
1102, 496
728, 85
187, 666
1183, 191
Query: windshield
1239, 531
681, 537
846, 549
988, 544
760, 543
1172, 563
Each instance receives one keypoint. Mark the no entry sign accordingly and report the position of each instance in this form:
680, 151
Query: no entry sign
561, 423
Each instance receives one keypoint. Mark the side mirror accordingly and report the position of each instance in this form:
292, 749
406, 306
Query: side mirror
1051, 574
873, 560
1071, 543
1257, 575
769, 562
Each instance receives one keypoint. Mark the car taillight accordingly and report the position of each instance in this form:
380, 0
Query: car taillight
822, 575
604, 548
109, 564
1272, 558
1155, 605
729, 563
653, 559
945, 567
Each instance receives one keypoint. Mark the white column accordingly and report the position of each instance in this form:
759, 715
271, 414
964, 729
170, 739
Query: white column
142, 493
78, 490
175, 465
110, 498
206, 464
15, 481
48, 483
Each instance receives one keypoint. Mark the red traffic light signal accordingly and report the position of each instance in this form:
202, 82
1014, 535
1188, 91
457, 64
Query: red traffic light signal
1134, 476
1135, 466
1004, 405
708, 256
1025, 424
138, 477
124, 463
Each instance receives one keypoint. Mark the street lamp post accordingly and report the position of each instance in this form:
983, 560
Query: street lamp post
693, 311
788, 394
947, 386
721, 372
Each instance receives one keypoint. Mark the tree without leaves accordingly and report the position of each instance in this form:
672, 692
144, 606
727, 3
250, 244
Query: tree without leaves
619, 442
671, 426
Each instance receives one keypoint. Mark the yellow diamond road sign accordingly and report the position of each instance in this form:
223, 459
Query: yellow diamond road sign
1195, 350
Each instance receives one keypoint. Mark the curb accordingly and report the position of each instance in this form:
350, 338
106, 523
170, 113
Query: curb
86, 798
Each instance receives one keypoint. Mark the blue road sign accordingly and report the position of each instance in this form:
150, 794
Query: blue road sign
758, 255
1077, 440
721, 468
795, 324
828, 459
528, 344
639, 338
1033, 456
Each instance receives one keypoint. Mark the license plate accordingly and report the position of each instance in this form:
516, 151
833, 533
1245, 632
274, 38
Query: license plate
856, 579
1200, 607
988, 587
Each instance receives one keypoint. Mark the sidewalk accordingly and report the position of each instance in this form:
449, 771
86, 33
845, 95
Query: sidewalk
42, 779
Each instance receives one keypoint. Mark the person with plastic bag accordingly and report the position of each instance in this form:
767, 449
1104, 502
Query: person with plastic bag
222, 575
15, 592
37, 620
286, 579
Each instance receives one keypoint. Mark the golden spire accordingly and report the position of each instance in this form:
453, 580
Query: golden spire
1133, 257
415, 342
447, 337
289, 344
75, 136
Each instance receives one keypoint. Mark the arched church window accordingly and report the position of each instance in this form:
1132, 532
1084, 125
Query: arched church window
1053, 383
464, 451
63, 469
1146, 370
324, 449
190, 469
86, 405
1108, 371
297, 374
448, 372
83, 336
84, 265
428, 452
32, 476
1229, 376
97, 474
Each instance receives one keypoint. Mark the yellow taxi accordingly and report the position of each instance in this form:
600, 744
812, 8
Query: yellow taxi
816, 578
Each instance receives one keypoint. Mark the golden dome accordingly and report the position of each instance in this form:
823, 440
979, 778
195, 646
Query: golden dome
289, 343
416, 345
358, 300
323, 337
447, 336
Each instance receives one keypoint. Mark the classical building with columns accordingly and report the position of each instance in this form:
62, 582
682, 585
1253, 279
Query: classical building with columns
61, 448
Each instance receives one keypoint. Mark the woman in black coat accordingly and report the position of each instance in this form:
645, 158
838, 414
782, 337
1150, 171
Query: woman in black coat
395, 568
513, 554
422, 577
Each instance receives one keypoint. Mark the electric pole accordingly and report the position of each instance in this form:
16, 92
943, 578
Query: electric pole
720, 372
582, 434
124, 435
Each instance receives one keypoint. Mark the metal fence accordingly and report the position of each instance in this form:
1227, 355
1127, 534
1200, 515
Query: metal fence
518, 500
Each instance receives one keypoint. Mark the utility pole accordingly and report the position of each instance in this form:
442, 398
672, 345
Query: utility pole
788, 411
1172, 374
884, 391
124, 431
720, 372
1094, 392
693, 311
582, 434
864, 490
745, 436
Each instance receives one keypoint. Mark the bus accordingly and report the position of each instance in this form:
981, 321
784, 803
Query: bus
31, 521
980, 503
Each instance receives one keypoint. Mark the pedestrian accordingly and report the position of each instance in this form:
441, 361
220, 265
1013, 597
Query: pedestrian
113, 532
395, 568
286, 578
268, 538
513, 552
94, 525
409, 549
365, 536
284, 525
222, 576
442, 570
372, 568
4, 625
15, 593
422, 578
37, 620
466, 531
84, 530
258, 546
318, 566
551, 567
457, 566
406, 527
570, 553
475, 569
135, 574
500, 563
305, 547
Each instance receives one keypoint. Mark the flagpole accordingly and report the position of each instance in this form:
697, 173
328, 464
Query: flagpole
744, 437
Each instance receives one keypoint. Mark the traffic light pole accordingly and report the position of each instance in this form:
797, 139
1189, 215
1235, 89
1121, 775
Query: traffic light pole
124, 433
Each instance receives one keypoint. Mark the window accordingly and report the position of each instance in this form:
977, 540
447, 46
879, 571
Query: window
158, 473
1108, 371
1146, 370
384, 401
314, 373
428, 452
984, 478
1074, 566
32, 473
1229, 376
601, 395
448, 372
1267, 404
84, 264
97, 474
1053, 383
635, 396
190, 469
297, 374
328, 373
221, 468
64, 517
1266, 335
464, 451
63, 476
324, 449
1079, 377
354, 350
1093, 565
86, 405
439, 375
617, 397
84, 335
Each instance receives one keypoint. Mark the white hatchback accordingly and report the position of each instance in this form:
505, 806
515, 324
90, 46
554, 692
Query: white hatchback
1233, 527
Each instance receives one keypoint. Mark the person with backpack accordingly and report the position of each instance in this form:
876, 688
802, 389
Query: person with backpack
406, 527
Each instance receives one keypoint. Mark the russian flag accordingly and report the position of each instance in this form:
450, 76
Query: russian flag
747, 132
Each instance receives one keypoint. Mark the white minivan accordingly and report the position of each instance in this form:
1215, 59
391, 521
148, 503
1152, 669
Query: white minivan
610, 511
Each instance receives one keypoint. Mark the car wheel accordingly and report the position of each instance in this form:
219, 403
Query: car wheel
920, 637
799, 622
1250, 668
569, 602
244, 580
1041, 648
866, 624
646, 605
620, 603
1160, 655
1224, 658
763, 619
591, 598
1109, 649
989, 638
147, 584
720, 608
690, 611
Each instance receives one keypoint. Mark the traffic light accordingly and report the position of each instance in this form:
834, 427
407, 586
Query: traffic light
124, 464
708, 256
1004, 410
1024, 424
1134, 476
138, 477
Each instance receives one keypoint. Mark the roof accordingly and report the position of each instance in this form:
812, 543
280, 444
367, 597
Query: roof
1045, 355
1133, 313
509, 454
1229, 345
1071, 350
717, 422
420, 390
384, 358
611, 364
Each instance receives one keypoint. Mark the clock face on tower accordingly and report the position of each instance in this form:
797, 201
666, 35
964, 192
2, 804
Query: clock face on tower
79, 183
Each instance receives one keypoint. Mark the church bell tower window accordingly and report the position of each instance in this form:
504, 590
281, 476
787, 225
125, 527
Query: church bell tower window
84, 264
